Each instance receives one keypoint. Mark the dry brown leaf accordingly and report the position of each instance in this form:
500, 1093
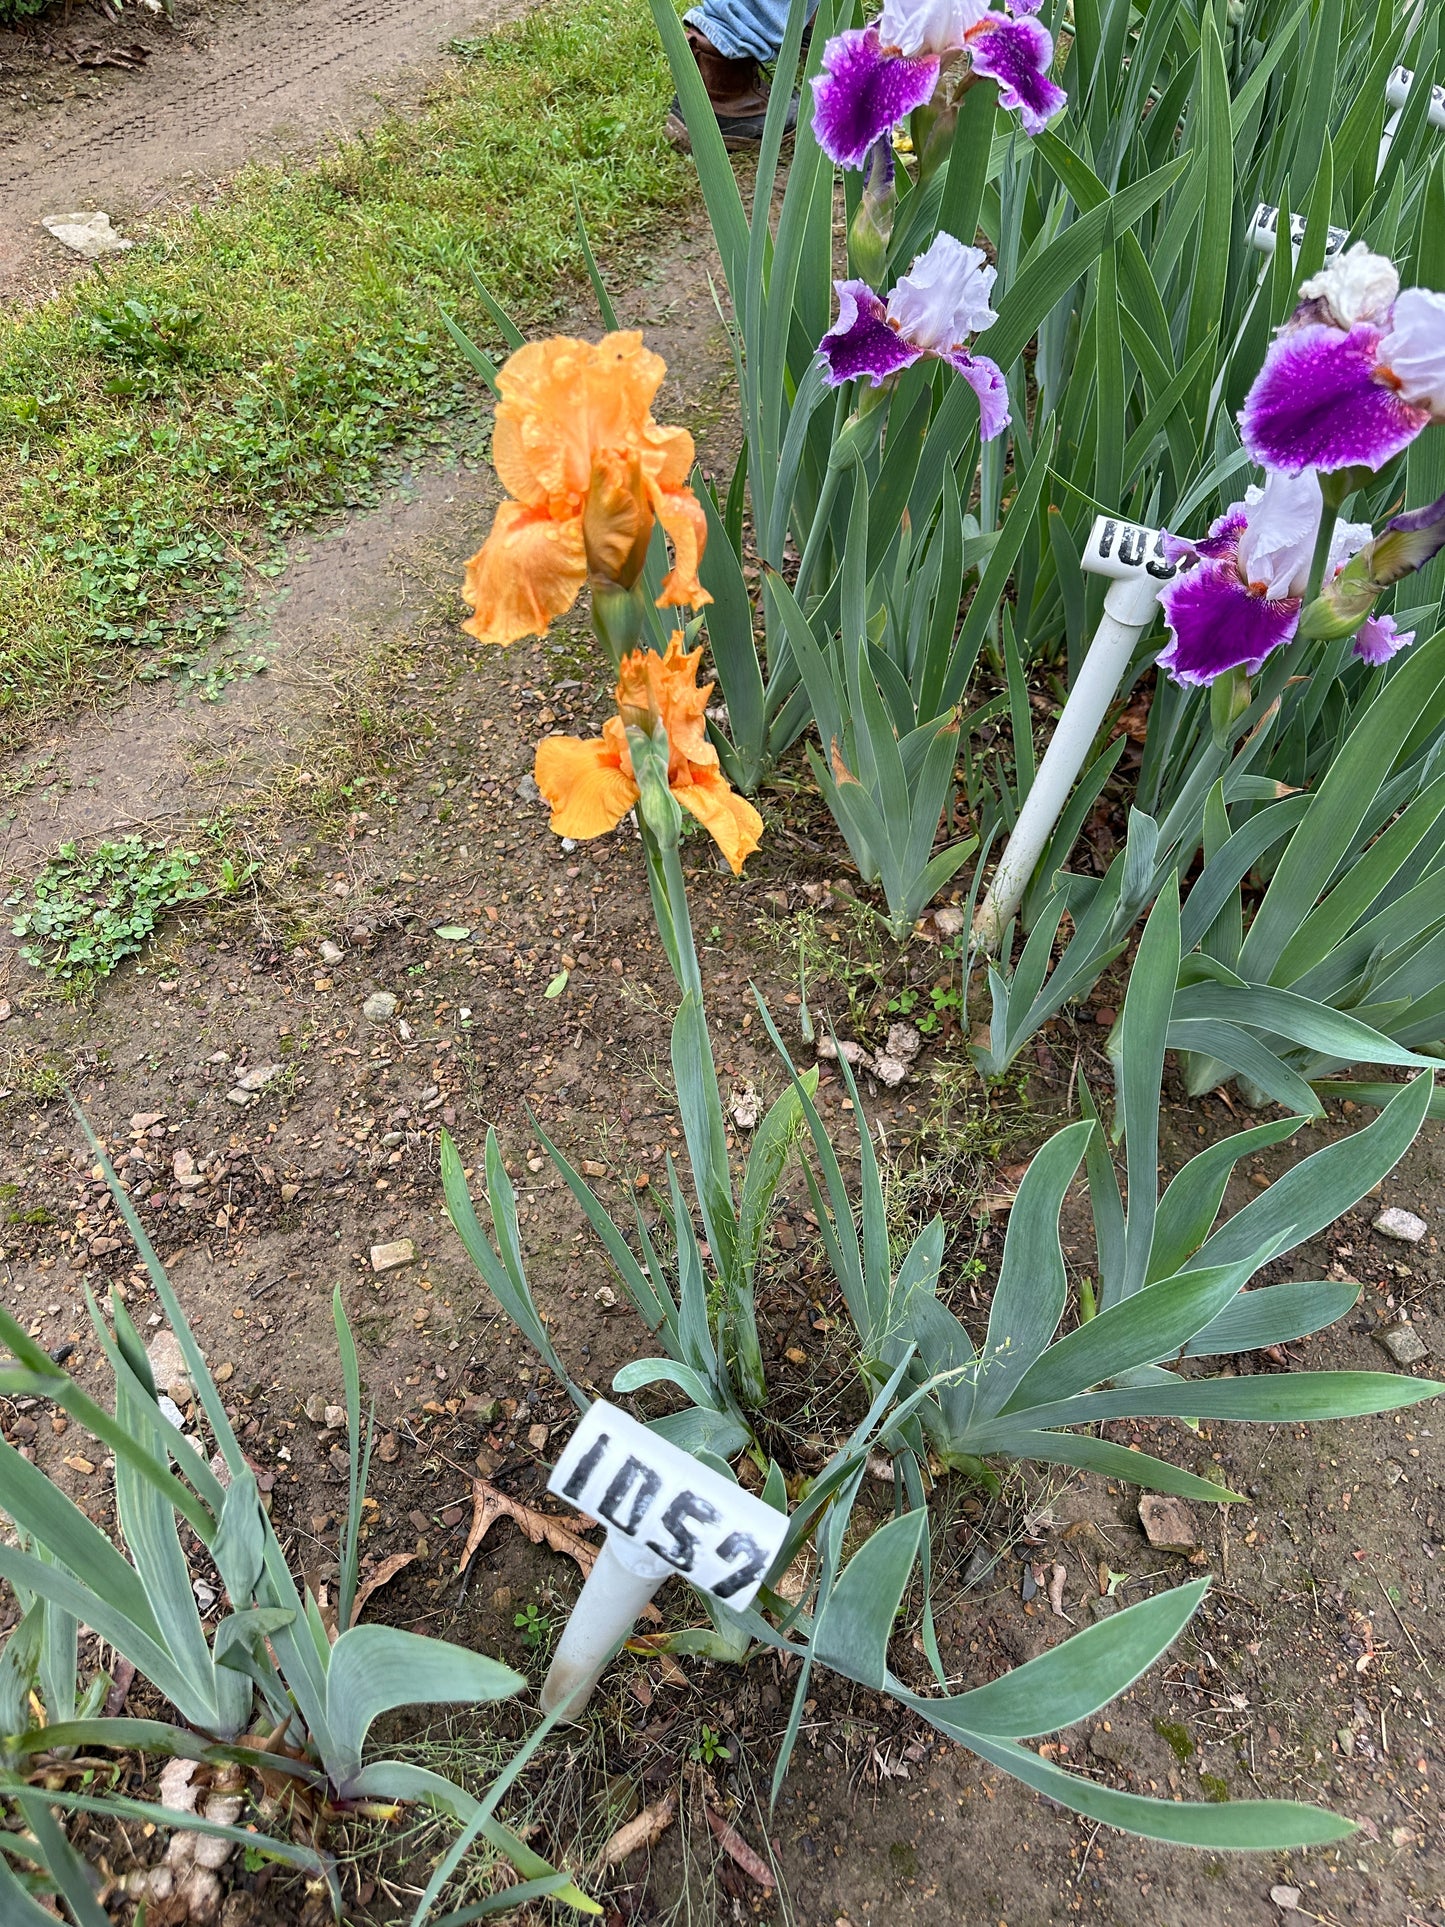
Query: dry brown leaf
375, 1580
489, 1505
643, 1830
737, 1849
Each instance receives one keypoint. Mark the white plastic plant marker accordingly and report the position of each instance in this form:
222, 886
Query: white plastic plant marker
1133, 557
1264, 232
665, 1512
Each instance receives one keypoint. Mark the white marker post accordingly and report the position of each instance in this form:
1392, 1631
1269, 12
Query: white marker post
1397, 92
1264, 232
665, 1512
1134, 558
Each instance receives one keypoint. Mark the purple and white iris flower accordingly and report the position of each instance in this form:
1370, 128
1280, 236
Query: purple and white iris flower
874, 76
1242, 588
931, 311
1355, 374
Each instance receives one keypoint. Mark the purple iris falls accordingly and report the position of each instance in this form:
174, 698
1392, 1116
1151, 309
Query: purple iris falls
1240, 594
874, 76
1378, 639
1018, 54
863, 92
932, 311
1355, 374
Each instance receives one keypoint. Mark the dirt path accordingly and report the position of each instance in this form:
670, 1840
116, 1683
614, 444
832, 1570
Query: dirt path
222, 86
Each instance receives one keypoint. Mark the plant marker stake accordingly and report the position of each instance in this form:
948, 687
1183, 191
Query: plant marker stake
1134, 558
665, 1512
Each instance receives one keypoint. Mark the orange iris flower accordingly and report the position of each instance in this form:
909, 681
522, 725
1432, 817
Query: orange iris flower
589, 472
590, 786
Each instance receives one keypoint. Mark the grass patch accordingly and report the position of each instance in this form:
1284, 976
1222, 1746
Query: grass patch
164, 424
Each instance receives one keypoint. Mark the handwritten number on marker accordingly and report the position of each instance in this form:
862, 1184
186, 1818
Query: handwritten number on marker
687, 1505
734, 1547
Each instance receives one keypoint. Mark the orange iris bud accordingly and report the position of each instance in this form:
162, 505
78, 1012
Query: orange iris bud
590, 785
589, 472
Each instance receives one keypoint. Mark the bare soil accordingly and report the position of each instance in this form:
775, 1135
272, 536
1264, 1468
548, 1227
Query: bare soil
376, 776
142, 114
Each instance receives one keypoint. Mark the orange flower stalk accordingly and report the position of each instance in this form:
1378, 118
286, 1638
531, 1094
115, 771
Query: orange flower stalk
589, 472
590, 785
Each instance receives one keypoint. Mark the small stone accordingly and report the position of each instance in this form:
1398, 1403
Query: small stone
393, 1256
340, 1459
1403, 1225
453, 1515
1403, 1343
890, 1071
948, 921
335, 1417
170, 1411
331, 953
1168, 1523
483, 1410
1106, 1016
315, 1408
848, 1049
143, 1120
259, 1078
1394, 1472
379, 1008
224, 1374
238, 1097
527, 791
904, 1043
289, 1193
88, 234
167, 1363
388, 1450
1287, 1899
537, 1436
746, 1108
591, 1168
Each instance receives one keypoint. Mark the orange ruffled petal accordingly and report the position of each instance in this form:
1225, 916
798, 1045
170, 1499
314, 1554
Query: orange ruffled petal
665, 687
588, 784
529, 571
731, 821
685, 526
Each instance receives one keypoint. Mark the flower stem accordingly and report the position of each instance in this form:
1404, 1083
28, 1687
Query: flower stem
1329, 515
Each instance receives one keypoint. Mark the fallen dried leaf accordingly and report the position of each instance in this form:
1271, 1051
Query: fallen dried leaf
489, 1505
1286, 1899
388, 1569
643, 1830
737, 1849
1057, 1577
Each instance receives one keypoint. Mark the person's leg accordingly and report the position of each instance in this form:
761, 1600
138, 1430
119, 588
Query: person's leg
729, 38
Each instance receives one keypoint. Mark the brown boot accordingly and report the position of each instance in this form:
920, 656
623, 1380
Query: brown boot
736, 91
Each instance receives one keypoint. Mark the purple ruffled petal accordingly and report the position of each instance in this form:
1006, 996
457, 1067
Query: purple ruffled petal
863, 92
1378, 639
1217, 625
860, 342
1317, 404
1018, 55
986, 379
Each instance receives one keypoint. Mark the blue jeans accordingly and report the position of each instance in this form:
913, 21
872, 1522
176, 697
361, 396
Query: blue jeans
743, 29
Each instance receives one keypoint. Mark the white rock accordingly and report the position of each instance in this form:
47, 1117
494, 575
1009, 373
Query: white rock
847, 1048
393, 1256
331, 953
379, 1007
904, 1043
259, 1078
89, 234
1394, 1222
168, 1366
238, 1097
948, 920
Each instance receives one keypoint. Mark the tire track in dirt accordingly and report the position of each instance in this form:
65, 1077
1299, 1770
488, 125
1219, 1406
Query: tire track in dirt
276, 77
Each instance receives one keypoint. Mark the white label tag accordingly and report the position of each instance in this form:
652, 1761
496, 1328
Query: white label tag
1125, 550
1264, 228
719, 1537
1397, 92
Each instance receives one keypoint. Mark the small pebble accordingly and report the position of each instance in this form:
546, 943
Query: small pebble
259, 1078
1403, 1343
1168, 1523
948, 921
331, 953
393, 1256
379, 1007
1394, 1222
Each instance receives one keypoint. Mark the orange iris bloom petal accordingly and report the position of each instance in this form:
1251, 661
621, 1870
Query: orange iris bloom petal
590, 785
575, 446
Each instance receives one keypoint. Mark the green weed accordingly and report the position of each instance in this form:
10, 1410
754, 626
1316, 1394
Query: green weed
84, 914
